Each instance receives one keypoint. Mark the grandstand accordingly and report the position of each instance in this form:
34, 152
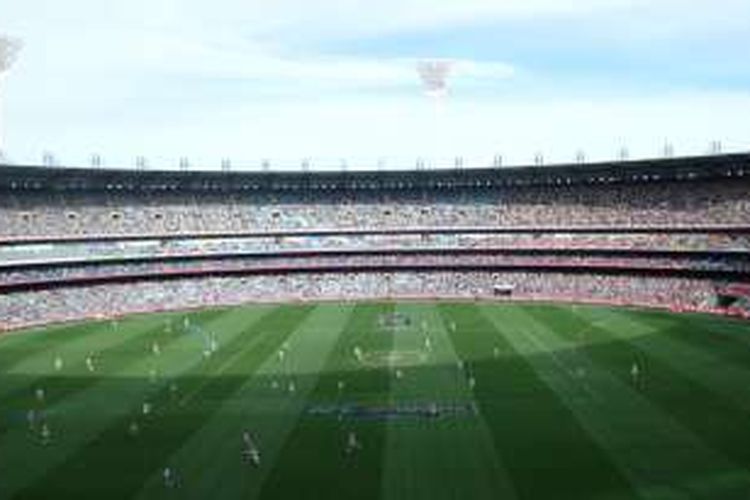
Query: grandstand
523, 333
669, 233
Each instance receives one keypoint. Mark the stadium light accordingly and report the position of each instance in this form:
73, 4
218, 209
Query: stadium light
96, 161
539, 159
497, 161
458, 162
226, 164
580, 157
140, 162
9, 48
668, 150
623, 154
48, 159
716, 147
184, 164
434, 76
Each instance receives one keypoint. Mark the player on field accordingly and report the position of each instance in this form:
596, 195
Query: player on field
635, 374
58, 363
352, 443
90, 363
46, 434
169, 477
358, 354
31, 419
250, 452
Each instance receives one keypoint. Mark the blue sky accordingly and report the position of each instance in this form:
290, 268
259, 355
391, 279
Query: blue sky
336, 80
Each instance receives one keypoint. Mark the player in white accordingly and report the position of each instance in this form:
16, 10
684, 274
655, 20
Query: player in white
31, 419
358, 354
250, 452
155, 349
635, 374
40, 394
292, 387
46, 434
169, 477
90, 363
58, 363
472, 383
352, 443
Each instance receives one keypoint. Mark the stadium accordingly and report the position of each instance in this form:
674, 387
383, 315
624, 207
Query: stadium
363, 334
313, 324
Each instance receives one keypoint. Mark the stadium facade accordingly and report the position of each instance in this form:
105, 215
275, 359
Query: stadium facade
669, 233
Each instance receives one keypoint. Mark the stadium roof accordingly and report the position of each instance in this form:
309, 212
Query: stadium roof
35, 178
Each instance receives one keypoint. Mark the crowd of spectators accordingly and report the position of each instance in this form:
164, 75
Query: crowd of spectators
63, 252
262, 246
653, 204
71, 303
317, 263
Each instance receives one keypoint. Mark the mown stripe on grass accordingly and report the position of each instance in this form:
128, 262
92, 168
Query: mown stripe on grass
79, 420
698, 389
661, 457
313, 462
210, 463
436, 458
543, 446
172, 422
18, 347
39, 372
113, 349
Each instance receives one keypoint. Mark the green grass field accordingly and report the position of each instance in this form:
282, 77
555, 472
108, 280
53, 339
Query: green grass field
463, 401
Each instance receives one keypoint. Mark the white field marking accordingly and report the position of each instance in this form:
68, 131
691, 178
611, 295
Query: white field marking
408, 448
393, 358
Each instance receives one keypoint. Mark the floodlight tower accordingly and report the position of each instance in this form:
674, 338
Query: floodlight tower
9, 48
434, 76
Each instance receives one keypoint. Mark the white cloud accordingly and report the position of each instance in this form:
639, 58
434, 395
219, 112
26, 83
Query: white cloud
206, 79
